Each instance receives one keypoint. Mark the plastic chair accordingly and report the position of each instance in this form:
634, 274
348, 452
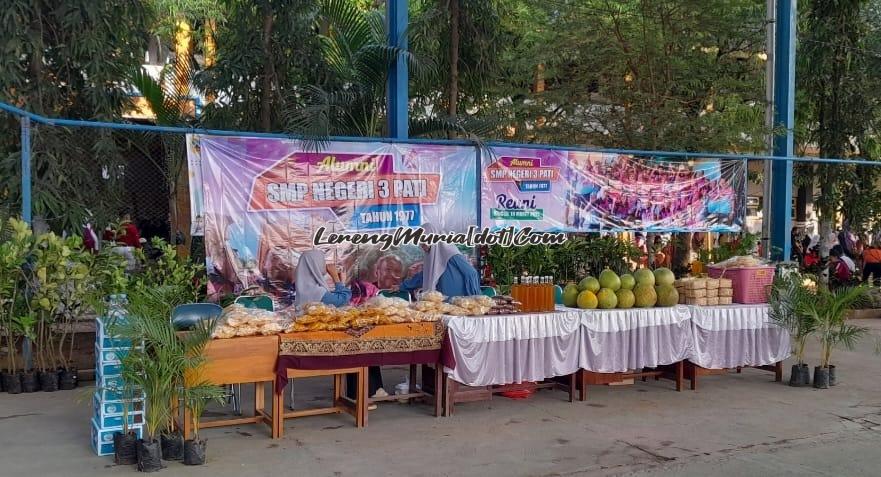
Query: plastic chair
261, 302
488, 291
184, 317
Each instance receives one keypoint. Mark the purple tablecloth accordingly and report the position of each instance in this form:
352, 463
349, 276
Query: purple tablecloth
736, 335
614, 341
506, 349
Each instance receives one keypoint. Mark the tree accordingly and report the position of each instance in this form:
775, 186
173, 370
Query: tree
65, 59
836, 76
266, 52
645, 74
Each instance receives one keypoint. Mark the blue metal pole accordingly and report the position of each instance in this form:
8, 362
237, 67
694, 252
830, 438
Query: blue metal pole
26, 214
398, 78
784, 117
26, 211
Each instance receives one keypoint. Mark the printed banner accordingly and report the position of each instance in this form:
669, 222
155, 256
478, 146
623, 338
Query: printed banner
264, 199
556, 190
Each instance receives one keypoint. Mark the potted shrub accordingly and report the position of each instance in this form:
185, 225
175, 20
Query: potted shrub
196, 397
828, 310
16, 242
786, 294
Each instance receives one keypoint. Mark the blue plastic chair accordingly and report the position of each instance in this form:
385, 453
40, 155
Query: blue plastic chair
184, 317
261, 302
488, 291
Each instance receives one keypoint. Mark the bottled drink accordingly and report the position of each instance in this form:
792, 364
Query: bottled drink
549, 293
531, 289
515, 289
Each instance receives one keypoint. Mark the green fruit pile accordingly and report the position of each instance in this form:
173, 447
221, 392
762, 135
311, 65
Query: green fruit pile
644, 289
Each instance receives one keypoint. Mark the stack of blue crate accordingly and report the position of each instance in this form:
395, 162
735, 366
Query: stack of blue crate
112, 402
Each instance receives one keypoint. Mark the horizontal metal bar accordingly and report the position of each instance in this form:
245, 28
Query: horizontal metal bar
492, 144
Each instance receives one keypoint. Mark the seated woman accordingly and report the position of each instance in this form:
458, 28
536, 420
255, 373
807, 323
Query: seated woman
444, 269
311, 285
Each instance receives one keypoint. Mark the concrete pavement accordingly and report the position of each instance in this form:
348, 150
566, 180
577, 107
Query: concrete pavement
734, 425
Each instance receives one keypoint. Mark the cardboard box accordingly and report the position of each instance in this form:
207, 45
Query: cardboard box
102, 438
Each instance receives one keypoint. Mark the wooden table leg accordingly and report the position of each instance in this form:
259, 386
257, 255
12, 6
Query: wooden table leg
739, 369
361, 400
338, 386
778, 371
412, 388
438, 389
277, 412
679, 373
449, 391
188, 424
259, 398
582, 382
692, 375
572, 386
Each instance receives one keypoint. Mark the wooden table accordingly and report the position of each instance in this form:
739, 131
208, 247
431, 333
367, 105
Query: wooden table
674, 372
336, 353
358, 409
234, 361
693, 371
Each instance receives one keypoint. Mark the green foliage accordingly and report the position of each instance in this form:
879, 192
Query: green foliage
160, 366
576, 258
169, 271
787, 294
741, 245
841, 105
828, 312
66, 59
290, 56
197, 396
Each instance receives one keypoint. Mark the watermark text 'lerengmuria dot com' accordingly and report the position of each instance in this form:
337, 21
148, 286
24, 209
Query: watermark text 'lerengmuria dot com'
506, 237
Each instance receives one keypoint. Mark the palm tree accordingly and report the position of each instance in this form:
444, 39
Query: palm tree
356, 52
828, 311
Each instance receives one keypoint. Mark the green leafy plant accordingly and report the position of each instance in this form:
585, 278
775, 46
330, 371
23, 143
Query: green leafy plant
169, 269
16, 242
159, 367
196, 398
828, 311
744, 244
787, 295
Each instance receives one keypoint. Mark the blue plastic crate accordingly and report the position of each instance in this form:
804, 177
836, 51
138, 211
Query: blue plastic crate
105, 356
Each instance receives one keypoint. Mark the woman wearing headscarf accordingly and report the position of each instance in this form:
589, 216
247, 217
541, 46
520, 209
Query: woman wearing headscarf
444, 269
310, 282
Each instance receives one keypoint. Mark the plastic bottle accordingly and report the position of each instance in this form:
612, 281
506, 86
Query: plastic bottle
530, 294
515, 289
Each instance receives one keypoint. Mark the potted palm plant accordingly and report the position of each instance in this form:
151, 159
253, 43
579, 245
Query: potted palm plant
154, 367
196, 398
125, 443
828, 309
786, 294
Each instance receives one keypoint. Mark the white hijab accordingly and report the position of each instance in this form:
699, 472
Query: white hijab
309, 278
435, 262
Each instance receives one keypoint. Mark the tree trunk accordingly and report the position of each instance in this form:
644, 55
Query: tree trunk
268, 69
453, 105
176, 153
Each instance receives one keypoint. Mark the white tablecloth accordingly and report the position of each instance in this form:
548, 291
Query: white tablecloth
614, 341
736, 335
505, 349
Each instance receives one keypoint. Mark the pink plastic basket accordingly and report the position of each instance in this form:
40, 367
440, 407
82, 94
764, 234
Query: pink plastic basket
751, 284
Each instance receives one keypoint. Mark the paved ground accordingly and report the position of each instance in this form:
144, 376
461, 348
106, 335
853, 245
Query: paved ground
735, 425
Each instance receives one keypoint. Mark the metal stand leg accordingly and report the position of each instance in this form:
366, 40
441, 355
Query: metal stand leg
291, 387
237, 399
